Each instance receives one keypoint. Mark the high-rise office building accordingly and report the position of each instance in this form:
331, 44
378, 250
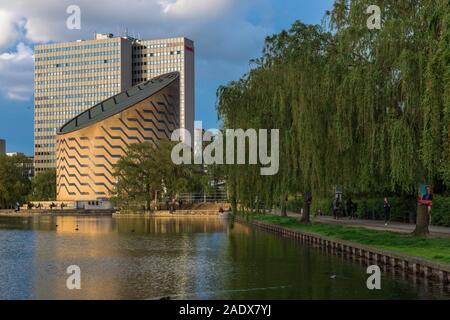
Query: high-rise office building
153, 58
71, 77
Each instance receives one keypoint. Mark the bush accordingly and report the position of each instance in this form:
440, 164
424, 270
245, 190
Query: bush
440, 213
403, 208
325, 205
295, 204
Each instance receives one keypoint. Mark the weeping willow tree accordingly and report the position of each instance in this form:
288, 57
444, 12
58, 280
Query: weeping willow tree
365, 109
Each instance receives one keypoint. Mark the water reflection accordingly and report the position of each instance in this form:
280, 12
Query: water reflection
188, 257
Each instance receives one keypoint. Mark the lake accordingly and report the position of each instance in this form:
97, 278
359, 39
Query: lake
184, 258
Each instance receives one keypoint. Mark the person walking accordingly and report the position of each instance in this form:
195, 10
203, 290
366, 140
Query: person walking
336, 207
387, 211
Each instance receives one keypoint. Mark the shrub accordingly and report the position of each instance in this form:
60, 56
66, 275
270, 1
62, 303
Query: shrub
295, 204
403, 208
325, 205
440, 213
372, 208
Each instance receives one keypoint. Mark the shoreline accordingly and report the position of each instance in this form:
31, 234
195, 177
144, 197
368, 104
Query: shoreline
165, 213
111, 213
54, 213
397, 261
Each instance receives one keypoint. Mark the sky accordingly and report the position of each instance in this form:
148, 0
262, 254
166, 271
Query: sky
227, 35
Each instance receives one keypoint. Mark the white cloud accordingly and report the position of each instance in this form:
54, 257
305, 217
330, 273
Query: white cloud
197, 8
220, 29
16, 96
9, 24
219, 21
16, 73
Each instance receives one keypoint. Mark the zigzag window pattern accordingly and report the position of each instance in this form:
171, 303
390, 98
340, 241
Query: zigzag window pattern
86, 156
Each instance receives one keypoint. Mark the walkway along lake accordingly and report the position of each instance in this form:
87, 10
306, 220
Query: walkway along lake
181, 257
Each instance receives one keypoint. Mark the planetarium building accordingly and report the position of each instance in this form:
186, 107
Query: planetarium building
90, 144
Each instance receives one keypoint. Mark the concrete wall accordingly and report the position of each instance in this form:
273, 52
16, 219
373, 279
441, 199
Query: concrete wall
126, 80
416, 266
189, 84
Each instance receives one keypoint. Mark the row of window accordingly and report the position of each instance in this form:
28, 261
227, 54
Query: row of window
44, 161
144, 63
156, 70
44, 137
74, 96
65, 104
151, 46
79, 55
50, 121
40, 169
45, 145
83, 87
158, 54
45, 153
79, 47
78, 63
83, 71
58, 113
50, 129
98, 78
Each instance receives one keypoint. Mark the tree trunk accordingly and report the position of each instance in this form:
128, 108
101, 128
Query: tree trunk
306, 214
306, 217
283, 205
422, 221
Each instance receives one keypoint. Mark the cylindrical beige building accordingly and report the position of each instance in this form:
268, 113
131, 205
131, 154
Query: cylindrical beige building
90, 144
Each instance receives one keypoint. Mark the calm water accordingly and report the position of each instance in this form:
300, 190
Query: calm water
186, 258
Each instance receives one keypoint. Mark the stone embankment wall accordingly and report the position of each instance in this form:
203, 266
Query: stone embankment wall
395, 261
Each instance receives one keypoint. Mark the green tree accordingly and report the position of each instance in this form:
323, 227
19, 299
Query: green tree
146, 170
364, 109
44, 186
14, 182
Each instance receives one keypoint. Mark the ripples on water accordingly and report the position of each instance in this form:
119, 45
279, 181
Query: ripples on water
184, 258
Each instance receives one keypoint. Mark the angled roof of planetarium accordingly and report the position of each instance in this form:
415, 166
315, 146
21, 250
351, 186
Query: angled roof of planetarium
119, 102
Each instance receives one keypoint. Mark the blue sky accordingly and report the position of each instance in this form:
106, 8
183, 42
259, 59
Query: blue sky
240, 24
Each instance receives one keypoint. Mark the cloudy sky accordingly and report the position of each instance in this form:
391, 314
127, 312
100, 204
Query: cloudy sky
227, 34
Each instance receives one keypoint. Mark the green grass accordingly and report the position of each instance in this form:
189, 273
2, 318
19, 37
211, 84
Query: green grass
437, 249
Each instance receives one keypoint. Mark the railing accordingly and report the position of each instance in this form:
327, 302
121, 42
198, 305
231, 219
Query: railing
203, 197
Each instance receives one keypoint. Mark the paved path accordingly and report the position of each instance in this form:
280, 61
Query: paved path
375, 224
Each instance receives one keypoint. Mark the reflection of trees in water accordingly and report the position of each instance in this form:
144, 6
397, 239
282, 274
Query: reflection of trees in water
161, 225
264, 260
181, 255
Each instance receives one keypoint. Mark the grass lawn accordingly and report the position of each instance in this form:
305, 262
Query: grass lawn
437, 249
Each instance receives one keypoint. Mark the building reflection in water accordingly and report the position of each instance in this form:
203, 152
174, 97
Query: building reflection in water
185, 257
120, 257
